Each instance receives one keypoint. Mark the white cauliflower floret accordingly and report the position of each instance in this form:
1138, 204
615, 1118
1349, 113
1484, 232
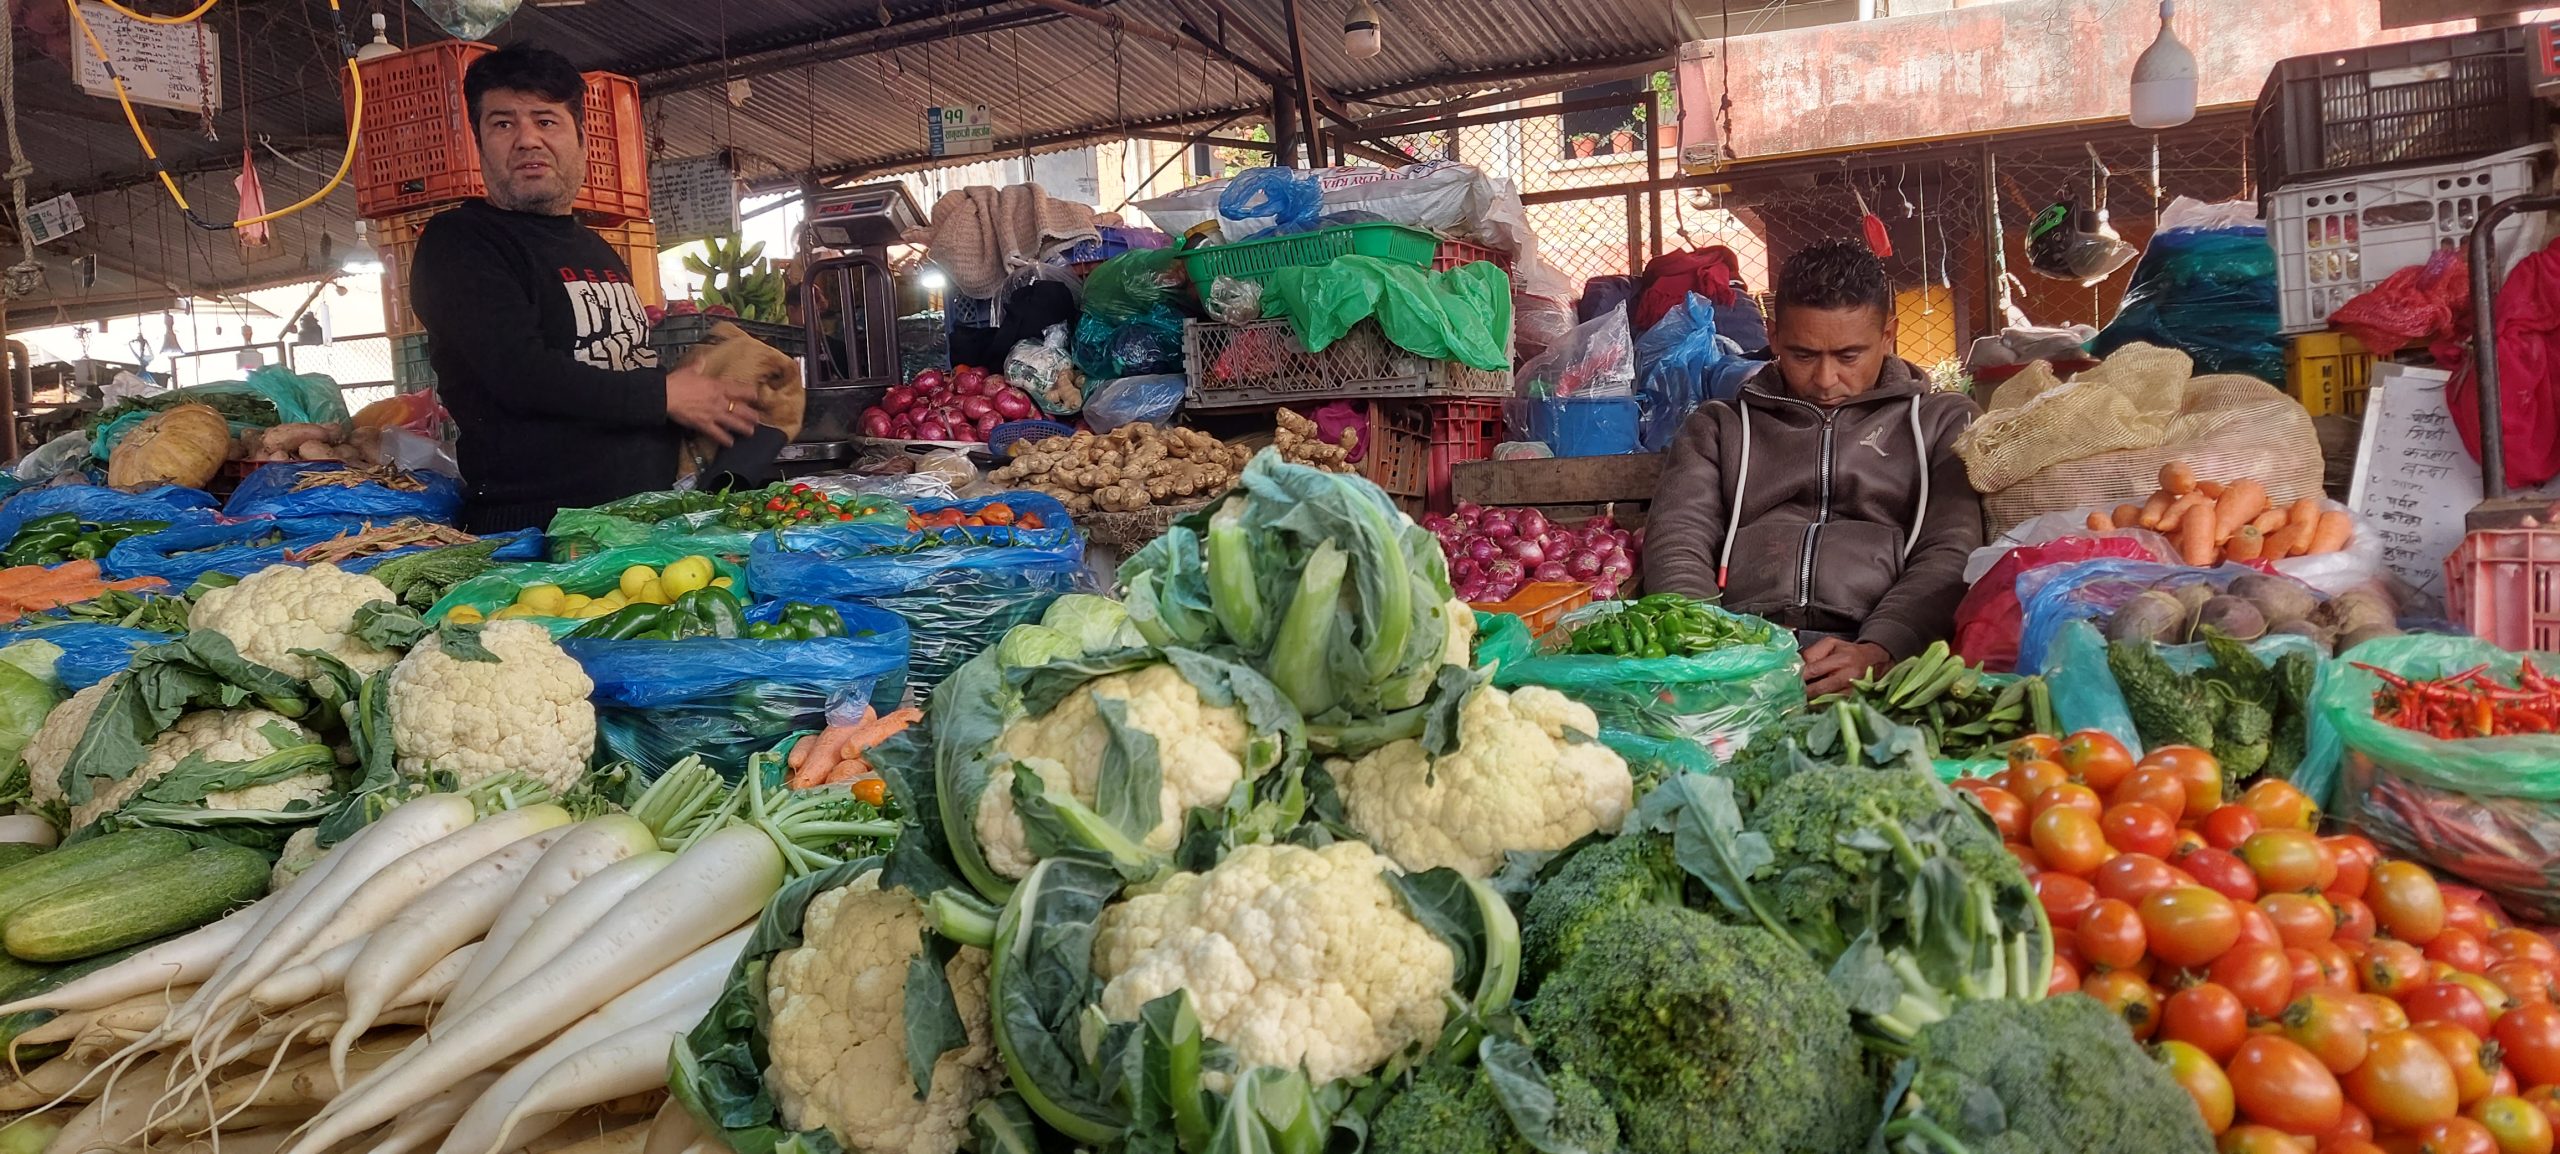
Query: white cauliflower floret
281, 608
838, 1034
526, 712
1515, 782
216, 736
49, 751
301, 852
1201, 747
1292, 956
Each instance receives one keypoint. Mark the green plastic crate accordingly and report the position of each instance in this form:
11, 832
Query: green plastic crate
1256, 260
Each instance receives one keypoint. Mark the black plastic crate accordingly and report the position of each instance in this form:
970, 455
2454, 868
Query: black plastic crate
2395, 106
681, 331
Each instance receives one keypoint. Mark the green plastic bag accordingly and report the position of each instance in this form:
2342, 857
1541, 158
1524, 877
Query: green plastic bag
1715, 701
2484, 809
2085, 695
1461, 315
1131, 283
594, 576
1503, 639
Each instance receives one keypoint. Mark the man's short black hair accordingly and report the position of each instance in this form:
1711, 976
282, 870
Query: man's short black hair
1834, 274
526, 68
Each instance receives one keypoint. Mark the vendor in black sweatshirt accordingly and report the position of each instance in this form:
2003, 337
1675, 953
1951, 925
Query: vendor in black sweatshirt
540, 347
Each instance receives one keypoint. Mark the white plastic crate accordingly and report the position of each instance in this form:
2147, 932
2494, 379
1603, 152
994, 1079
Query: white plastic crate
2334, 239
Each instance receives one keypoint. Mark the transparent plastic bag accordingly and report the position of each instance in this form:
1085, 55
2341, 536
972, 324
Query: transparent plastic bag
1715, 701
1153, 399
1042, 367
468, 19
64, 454
269, 492
1235, 302
1598, 359
594, 575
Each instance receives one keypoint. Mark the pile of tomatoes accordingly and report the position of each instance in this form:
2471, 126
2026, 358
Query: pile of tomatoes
2312, 997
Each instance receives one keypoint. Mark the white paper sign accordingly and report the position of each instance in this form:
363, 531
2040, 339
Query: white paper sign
169, 65
693, 198
50, 220
969, 131
2414, 481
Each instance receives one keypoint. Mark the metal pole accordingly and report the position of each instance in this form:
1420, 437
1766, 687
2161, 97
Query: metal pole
2484, 344
1653, 168
1306, 84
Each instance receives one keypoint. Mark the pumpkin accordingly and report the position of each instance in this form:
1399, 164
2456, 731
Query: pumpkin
184, 446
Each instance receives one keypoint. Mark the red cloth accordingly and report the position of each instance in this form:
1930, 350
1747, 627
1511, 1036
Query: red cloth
1990, 617
1668, 281
2528, 333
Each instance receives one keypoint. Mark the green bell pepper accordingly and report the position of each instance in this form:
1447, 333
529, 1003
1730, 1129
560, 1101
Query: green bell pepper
710, 613
629, 623
805, 622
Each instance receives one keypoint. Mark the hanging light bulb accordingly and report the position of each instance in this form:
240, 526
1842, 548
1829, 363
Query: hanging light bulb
2164, 79
169, 346
360, 258
1363, 31
381, 45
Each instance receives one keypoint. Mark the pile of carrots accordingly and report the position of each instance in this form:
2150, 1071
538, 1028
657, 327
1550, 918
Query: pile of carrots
834, 755
26, 589
2211, 522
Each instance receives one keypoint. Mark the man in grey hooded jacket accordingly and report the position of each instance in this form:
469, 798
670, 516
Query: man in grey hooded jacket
1827, 496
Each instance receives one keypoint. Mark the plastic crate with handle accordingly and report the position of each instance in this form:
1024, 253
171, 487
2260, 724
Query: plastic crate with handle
2504, 585
396, 238
2390, 106
417, 149
1257, 260
1540, 604
1264, 363
2335, 239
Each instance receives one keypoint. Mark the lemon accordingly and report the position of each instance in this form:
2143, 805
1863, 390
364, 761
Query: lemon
635, 577
685, 576
592, 610
722, 583
510, 613
543, 599
575, 602
463, 615
652, 592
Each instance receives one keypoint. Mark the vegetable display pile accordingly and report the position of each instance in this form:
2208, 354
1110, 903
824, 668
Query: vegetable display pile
27, 589
639, 587
1132, 467
2252, 715
397, 480
2469, 704
58, 537
713, 613
405, 533
782, 506
2181, 609
1665, 625
2211, 521
965, 404
1493, 552
1965, 712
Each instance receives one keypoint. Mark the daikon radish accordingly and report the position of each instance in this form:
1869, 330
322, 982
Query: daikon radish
626, 1063
673, 1131
50, 1082
28, 829
627, 1140
133, 1015
296, 984
576, 912
408, 880
591, 846
417, 1129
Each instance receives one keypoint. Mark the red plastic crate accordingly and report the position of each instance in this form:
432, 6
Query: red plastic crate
1453, 253
1397, 448
396, 238
417, 149
1461, 431
2504, 584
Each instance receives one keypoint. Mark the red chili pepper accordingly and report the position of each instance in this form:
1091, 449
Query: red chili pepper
801, 487
776, 504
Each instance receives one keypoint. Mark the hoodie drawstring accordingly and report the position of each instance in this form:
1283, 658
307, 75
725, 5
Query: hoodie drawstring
1741, 483
1920, 448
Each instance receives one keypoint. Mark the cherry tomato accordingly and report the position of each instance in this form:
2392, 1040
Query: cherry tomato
2131, 877
2406, 901
2519, 945
2403, 1082
2155, 787
2355, 920
2518, 1126
2353, 1125
2492, 996
2503, 1083
2033, 747
2111, 934
2006, 811
2228, 825
2065, 899
2219, 871
2095, 758
2354, 868
2197, 772
2329, 1026
2067, 795
2186, 842
2281, 1085
2545, 1098
2029, 779
2475, 1067
2259, 1140
2125, 994
2255, 928
2206, 1017
2301, 919
2392, 969
2448, 1004
2200, 1075
2524, 982
2066, 976
2286, 859
2189, 925
2460, 950
2530, 1035
2139, 828
2455, 1136
2068, 840
2280, 804
2262, 976
2350, 1146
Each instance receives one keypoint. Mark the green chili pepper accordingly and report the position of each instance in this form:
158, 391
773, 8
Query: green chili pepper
630, 623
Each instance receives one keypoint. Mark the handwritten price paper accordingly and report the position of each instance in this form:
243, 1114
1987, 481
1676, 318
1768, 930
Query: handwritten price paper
2414, 480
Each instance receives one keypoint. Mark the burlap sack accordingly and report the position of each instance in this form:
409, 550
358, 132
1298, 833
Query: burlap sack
2037, 421
2227, 428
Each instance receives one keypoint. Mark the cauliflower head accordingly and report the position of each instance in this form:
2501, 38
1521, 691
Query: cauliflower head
527, 712
218, 736
301, 852
1292, 956
1201, 747
838, 1032
1515, 782
281, 608
48, 753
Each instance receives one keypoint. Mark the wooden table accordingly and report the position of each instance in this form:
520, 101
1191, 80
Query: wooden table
1565, 488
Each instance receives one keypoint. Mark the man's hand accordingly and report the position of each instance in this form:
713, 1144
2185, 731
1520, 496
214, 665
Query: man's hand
1831, 664
717, 409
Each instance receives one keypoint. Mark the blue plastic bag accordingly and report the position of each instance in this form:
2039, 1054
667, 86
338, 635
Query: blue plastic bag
99, 505
1675, 365
2056, 594
1291, 197
268, 492
658, 702
519, 545
91, 651
1150, 398
182, 553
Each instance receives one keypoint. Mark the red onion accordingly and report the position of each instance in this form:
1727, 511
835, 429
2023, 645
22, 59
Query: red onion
1013, 405
875, 423
898, 399
928, 379
1550, 571
903, 426
1505, 570
1525, 551
1499, 530
932, 429
1484, 548
1530, 523
1618, 568
969, 379
1464, 570
1583, 564
1468, 511
986, 425
1435, 522
976, 407
1622, 537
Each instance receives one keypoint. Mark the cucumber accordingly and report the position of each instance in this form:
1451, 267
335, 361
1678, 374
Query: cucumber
13, 852
137, 905
19, 977
112, 855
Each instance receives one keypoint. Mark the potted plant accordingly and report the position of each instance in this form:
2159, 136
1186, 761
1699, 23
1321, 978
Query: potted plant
1624, 139
1585, 145
1666, 129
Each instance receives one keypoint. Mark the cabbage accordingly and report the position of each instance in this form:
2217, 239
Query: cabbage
1097, 624
1029, 645
36, 657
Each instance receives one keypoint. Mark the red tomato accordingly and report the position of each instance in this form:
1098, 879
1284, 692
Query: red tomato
2331, 1027
2518, 1126
2403, 1082
2280, 805
2518, 945
2124, 993
2189, 925
2392, 969
2448, 1004
2261, 975
2301, 919
2460, 950
2310, 973
2354, 868
2198, 773
2469, 916
2350, 1146
2353, 1124
2206, 1017
2096, 758
2259, 1140
2033, 747
2228, 825
2139, 828
2066, 976
2475, 1067
2406, 902
2524, 982
2065, 899
2281, 1085
2355, 920
2027, 859
2220, 872
2111, 934
2068, 840
2455, 1136
2006, 811
2545, 1098
2201, 1076
2067, 795
2382, 1015
2131, 877
2491, 995
2530, 1034
2155, 787
2029, 779
2287, 860
2256, 929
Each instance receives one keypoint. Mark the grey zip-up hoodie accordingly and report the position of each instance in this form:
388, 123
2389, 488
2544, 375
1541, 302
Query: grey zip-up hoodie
1822, 519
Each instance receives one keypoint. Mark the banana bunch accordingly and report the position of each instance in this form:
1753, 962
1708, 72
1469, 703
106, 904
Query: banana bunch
1967, 712
737, 277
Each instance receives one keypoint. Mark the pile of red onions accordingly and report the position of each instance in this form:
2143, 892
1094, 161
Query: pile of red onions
965, 404
1493, 552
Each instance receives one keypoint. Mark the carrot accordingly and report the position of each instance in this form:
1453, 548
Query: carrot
2195, 537
2176, 479
2284, 543
2100, 523
2268, 522
2156, 508
2246, 545
2127, 516
2185, 507
825, 749
2240, 505
2211, 489
850, 768
2305, 514
875, 728
2335, 527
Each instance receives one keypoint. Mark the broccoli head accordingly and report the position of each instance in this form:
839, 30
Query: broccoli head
1451, 1109
1707, 1038
1818, 822
1624, 872
2009, 1077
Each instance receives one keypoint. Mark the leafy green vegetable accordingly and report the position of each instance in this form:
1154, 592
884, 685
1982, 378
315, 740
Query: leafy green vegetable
198, 671
2026, 1078
422, 578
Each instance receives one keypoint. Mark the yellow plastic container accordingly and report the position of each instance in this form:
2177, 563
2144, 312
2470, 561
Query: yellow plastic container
2329, 373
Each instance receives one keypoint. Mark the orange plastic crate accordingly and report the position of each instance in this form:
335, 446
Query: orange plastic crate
1461, 431
2504, 584
396, 238
417, 149
1542, 603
